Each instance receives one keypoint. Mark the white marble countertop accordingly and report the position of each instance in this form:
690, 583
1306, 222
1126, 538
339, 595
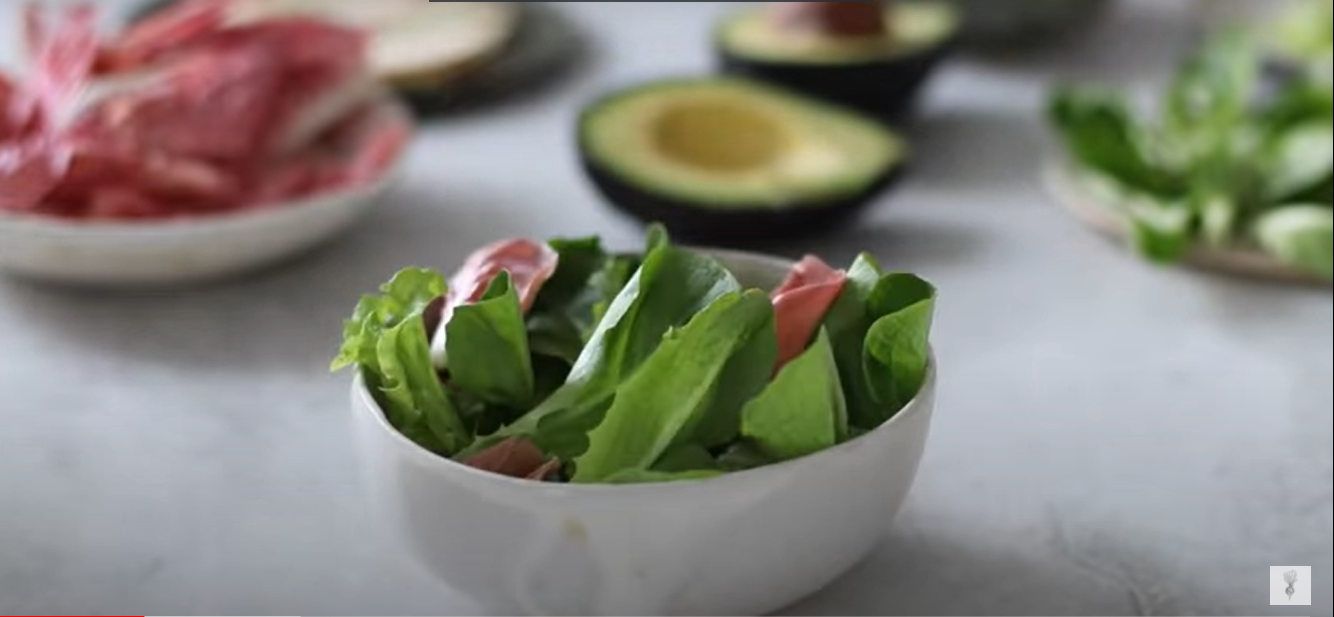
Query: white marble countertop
1110, 438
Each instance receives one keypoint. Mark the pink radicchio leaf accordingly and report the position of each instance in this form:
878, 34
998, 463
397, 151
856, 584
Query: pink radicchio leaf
800, 304
516, 457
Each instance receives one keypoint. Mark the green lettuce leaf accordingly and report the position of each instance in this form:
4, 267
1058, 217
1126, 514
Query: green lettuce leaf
1100, 134
744, 376
1304, 31
1300, 235
1301, 102
742, 455
386, 338
490, 334
1301, 161
1226, 151
897, 345
1218, 219
670, 287
562, 315
405, 295
685, 457
1212, 92
661, 404
555, 335
897, 291
847, 322
416, 402
1161, 231
580, 259
549, 375
609, 282
802, 410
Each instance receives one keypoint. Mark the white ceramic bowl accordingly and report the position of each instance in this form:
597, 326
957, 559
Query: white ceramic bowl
184, 251
747, 543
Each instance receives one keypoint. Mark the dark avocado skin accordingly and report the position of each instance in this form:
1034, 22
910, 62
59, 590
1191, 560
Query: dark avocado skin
734, 228
884, 89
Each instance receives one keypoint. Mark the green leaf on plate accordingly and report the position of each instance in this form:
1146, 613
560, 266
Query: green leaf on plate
1212, 91
802, 411
1218, 219
1302, 160
1160, 231
1300, 235
1101, 135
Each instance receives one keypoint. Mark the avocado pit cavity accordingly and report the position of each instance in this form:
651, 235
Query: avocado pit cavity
719, 136
831, 19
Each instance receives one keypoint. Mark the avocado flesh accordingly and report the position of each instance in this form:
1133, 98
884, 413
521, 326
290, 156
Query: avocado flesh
729, 144
733, 162
911, 28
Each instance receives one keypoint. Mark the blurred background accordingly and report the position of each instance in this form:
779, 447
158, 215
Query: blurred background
1114, 435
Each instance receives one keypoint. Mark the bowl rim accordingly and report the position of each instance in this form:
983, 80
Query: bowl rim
222, 221
366, 404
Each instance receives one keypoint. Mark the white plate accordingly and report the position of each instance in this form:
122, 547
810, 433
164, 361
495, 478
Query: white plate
181, 251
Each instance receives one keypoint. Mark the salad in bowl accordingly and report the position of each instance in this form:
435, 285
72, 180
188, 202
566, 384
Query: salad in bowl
558, 429
562, 362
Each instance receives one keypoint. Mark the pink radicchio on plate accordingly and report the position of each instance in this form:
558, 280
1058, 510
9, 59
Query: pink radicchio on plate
529, 264
63, 53
29, 170
187, 113
800, 304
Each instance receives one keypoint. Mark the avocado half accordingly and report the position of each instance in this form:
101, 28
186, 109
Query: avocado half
880, 75
728, 160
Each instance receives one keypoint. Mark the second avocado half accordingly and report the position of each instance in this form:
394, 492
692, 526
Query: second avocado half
872, 56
